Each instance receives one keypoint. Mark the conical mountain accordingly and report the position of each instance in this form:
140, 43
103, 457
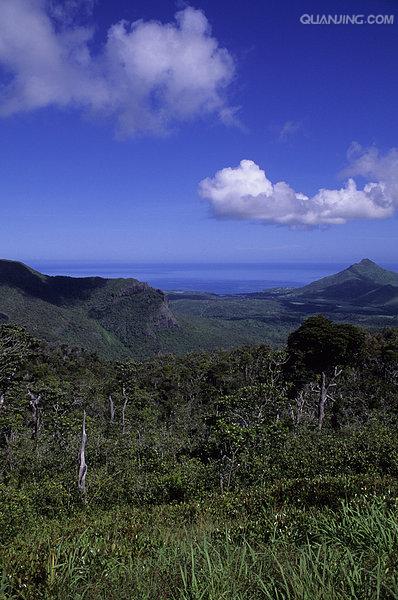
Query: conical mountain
362, 283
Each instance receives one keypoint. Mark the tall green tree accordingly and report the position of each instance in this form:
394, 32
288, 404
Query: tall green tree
320, 350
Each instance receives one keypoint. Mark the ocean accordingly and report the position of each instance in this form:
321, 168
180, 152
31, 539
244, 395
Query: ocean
219, 278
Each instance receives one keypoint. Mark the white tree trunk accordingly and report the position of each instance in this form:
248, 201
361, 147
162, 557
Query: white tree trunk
124, 410
323, 394
81, 484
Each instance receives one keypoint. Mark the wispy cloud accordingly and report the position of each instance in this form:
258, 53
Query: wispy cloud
66, 12
244, 192
289, 130
147, 75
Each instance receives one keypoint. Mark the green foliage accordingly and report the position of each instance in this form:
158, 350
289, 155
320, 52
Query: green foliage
16, 347
321, 345
207, 475
16, 511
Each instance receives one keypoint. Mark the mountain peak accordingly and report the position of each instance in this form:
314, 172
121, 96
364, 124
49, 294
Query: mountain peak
370, 270
351, 284
366, 262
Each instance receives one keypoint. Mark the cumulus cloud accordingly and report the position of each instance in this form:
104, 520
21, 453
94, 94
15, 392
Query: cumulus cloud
371, 164
245, 192
146, 75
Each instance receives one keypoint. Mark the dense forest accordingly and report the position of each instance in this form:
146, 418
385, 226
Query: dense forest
237, 474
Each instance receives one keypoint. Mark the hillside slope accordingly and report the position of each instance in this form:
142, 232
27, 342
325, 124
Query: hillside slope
114, 317
362, 284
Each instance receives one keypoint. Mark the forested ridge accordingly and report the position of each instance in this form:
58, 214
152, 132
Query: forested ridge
247, 473
116, 318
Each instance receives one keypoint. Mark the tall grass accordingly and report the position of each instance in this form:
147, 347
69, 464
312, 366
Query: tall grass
348, 554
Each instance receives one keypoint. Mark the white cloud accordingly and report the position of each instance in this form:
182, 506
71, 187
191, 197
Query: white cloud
370, 164
245, 192
147, 75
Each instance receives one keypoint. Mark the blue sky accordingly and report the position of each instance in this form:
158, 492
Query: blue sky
119, 179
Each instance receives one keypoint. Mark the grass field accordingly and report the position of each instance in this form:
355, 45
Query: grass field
180, 553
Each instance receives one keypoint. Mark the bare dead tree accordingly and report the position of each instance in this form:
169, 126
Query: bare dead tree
322, 399
275, 365
111, 409
228, 468
34, 401
124, 409
323, 389
81, 484
297, 410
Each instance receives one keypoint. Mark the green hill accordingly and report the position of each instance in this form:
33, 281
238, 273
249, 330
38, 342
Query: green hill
114, 317
362, 284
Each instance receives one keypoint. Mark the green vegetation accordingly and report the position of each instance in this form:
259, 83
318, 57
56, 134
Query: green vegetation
123, 318
360, 284
238, 474
348, 553
117, 318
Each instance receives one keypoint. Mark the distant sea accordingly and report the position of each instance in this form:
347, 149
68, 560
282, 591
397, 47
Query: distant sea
219, 278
